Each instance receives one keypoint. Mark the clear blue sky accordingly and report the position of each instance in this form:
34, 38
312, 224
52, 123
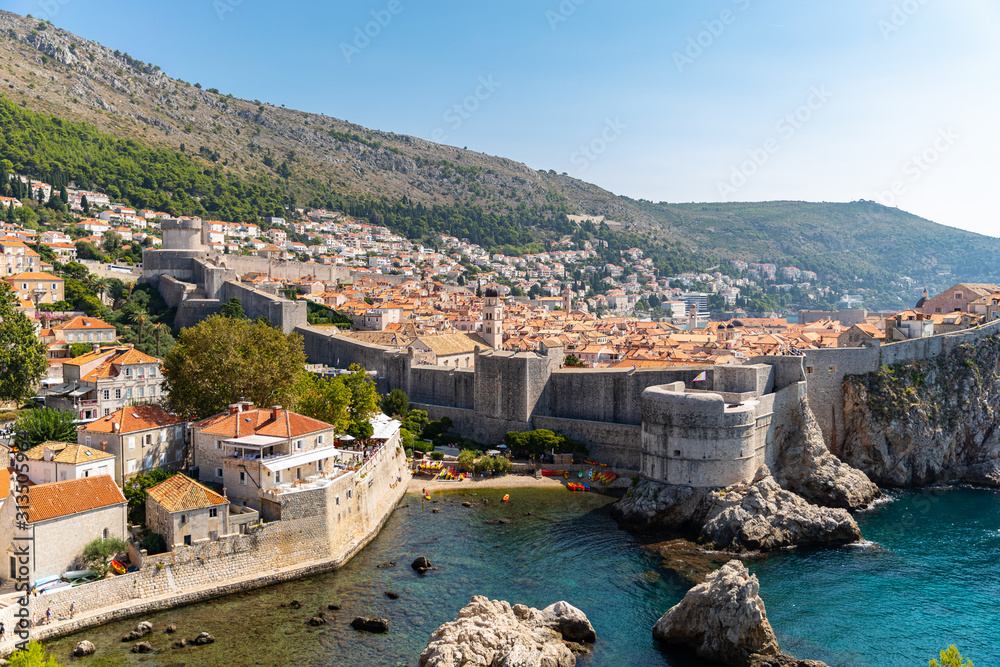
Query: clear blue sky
672, 101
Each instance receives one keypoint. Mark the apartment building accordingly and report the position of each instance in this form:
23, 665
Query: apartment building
141, 437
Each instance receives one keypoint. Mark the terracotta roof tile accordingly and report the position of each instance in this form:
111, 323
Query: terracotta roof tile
81, 322
183, 493
50, 501
64, 452
131, 419
261, 421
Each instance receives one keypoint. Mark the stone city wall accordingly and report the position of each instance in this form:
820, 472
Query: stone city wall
321, 529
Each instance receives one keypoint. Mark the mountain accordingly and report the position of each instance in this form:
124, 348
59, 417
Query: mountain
264, 154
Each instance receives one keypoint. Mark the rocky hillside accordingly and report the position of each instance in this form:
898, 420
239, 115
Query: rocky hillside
51, 70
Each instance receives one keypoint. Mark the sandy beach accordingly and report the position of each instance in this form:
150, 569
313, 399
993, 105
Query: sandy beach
505, 482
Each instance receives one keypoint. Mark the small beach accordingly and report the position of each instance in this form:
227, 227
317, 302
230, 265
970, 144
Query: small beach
417, 484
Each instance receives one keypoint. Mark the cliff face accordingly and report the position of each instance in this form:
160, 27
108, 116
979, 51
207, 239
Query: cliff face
929, 421
806, 467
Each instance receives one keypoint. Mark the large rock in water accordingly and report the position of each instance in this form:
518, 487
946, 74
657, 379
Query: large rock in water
761, 516
806, 467
491, 632
83, 648
758, 516
724, 620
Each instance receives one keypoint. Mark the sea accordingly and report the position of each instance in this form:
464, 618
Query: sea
925, 578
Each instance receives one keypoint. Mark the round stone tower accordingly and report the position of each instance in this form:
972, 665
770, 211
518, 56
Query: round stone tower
181, 233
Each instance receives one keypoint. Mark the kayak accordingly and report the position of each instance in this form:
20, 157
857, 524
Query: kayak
77, 574
118, 567
45, 580
427, 496
553, 473
573, 486
54, 587
505, 498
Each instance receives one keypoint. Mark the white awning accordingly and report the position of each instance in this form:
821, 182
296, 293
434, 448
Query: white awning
305, 458
384, 427
254, 441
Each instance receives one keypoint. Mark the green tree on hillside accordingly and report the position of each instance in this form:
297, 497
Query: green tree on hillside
32, 656
396, 403
233, 309
220, 361
325, 399
22, 355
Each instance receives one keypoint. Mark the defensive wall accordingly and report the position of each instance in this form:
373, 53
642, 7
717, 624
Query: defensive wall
320, 530
825, 371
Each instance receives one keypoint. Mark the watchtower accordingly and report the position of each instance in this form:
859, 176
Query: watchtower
493, 318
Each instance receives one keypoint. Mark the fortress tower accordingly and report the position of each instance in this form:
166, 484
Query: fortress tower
182, 234
493, 318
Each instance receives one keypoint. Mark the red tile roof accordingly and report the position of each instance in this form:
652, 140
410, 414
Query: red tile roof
183, 493
81, 322
131, 419
262, 421
50, 501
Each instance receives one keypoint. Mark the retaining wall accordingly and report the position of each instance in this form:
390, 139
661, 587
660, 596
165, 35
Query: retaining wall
322, 530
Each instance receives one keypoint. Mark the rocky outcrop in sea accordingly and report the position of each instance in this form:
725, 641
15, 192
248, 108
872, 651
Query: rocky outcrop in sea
724, 620
928, 421
492, 632
758, 516
806, 467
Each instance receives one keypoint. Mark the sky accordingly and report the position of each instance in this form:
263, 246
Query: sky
895, 101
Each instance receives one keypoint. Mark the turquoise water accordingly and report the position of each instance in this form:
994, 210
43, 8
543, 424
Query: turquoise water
924, 584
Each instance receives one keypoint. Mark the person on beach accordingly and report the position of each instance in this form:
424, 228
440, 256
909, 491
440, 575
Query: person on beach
72, 608
34, 619
48, 616
2, 631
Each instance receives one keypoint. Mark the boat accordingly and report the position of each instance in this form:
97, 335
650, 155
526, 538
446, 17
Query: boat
77, 574
57, 586
85, 580
553, 473
45, 580
573, 486
118, 567
505, 498
427, 496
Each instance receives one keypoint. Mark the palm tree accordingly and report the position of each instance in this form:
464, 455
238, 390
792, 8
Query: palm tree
138, 316
159, 327
99, 285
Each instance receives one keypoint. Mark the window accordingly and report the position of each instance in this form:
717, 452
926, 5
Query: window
106, 534
218, 444
320, 465
147, 462
277, 477
86, 440
218, 473
184, 519
118, 393
54, 287
128, 393
809, 369
319, 439
187, 540
107, 395
148, 440
131, 466
298, 444
140, 392
243, 478
24, 285
163, 458
152, 391
213, 512
338, 500
131, 442
832, 369
958, 295
90, 336
128, 372
107, 411
178, 454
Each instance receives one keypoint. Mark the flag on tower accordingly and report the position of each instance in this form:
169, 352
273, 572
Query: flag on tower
702, 376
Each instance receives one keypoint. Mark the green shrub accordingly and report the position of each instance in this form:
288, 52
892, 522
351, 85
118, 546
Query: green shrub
437, 456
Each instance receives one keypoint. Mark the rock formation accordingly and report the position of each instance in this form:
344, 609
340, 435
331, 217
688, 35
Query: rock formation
724, 620
141, 630
806, 467
742, 517
491, 632
370, 624
929, 421
83, 648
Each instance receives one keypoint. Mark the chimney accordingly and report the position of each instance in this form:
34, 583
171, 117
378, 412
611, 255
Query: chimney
277, 411
104, 446
234, 408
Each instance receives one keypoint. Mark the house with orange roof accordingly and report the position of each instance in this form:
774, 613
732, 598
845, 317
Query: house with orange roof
96, 384
37, 287
251, 450
17, 257
141, 437
184, 513
861, 335
83, 329
61, 518
59, 461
